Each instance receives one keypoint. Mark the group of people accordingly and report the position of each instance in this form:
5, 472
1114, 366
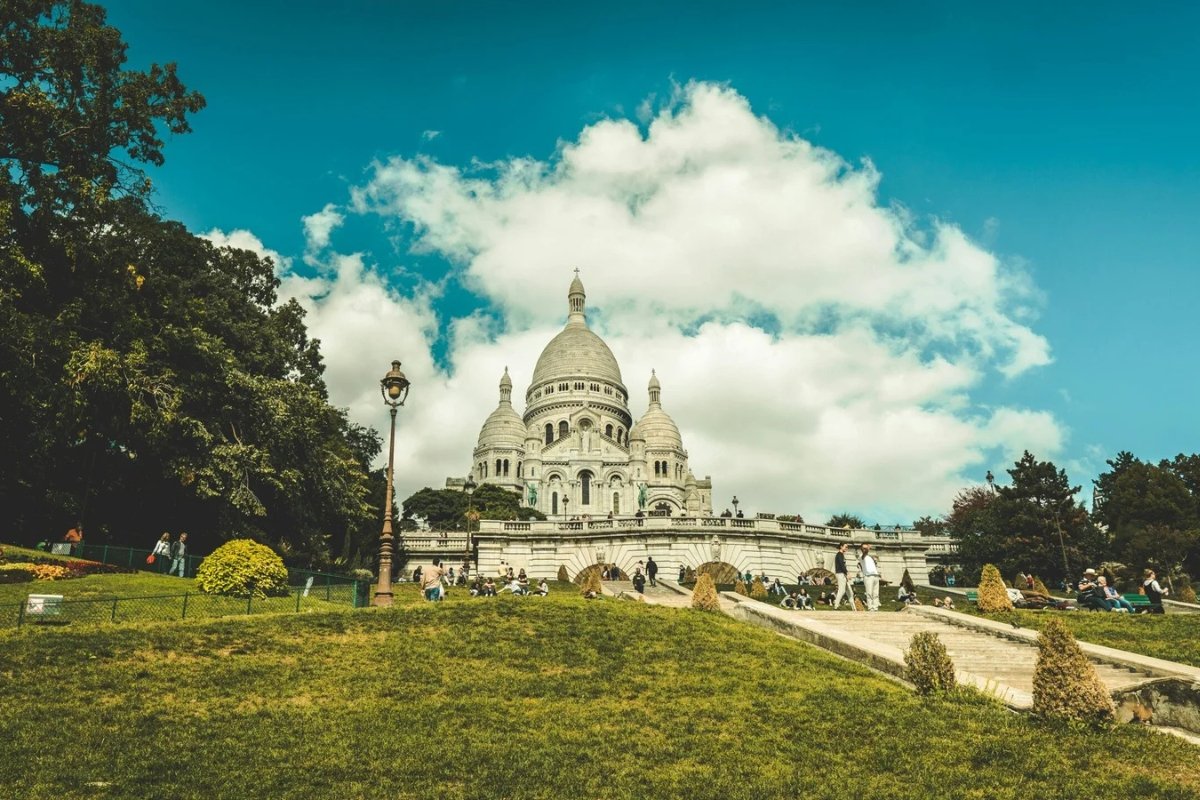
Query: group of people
170, 557
435, 579
1096, 592
868, 569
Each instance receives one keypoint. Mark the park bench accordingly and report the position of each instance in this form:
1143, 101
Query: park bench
1138, 601
972, 596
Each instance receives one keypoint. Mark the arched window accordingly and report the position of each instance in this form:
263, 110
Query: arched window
506, 467
499, 468
483, 468
656, 469
554, 503
563, 429
585, 487
518, 469
608, 431
549, 433
620, 434
616, 502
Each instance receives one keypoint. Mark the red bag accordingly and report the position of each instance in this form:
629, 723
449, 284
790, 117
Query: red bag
150, 558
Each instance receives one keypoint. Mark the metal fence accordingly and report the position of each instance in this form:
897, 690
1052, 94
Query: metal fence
49, 609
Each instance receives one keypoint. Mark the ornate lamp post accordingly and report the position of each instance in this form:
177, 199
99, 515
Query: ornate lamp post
566, 500
469, 487
735, 505
394, 388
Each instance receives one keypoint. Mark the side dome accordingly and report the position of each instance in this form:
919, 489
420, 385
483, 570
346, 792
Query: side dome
503, 428
656, 426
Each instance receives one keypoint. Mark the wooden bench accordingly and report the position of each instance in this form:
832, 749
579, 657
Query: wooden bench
1137, 600
972, 596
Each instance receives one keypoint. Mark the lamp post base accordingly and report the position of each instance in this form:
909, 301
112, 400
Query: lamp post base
382, 600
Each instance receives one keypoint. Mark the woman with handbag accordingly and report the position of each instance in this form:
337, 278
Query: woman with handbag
161, 554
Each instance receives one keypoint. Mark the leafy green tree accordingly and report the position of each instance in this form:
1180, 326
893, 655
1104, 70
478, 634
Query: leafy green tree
446, 509
150, 380
928, 526
1028, 526
846, 519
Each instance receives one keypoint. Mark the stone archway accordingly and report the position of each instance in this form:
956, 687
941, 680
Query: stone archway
818, 575
597, 569
722, 572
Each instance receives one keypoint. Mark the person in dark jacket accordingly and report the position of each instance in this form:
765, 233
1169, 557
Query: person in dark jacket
651, 570
843, 578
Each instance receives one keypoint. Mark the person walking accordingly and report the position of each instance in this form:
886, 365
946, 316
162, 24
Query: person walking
162, 554
843, 578
870, 573
682, 573
179, 557
651, 570
431, 581
639, 580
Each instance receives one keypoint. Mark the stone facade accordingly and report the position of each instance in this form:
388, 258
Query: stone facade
576, 451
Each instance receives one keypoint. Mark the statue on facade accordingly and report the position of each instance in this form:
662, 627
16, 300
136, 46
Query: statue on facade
532, 489
641, 496
716, 548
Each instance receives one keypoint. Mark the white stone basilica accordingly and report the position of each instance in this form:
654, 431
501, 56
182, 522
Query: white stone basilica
576, 451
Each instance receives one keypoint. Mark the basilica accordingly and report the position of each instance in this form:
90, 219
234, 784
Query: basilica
576, 451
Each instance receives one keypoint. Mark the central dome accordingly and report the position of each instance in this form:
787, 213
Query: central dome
576, 352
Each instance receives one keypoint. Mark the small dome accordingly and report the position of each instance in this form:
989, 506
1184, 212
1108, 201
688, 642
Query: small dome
654, 384
503, 428
658, 429
506, 382
576, 352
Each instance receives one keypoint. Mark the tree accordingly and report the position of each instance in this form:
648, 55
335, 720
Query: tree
1028, 526
844, 520
446, 509
928, 526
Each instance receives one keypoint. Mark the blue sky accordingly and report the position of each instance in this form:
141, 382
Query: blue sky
1059, 140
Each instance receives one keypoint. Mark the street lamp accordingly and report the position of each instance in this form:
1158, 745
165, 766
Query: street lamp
469, 488
1061, 543
735, 505
991, 480
565, 501
394, 388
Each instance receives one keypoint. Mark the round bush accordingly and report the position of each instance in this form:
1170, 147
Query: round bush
993, 598
242, 568
928, 665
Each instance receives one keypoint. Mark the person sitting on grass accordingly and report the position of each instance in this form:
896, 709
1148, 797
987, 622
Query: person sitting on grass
790, 602
515, 587
543, 588
777, 588
803, 600
476, 588
1114, 598
489, 587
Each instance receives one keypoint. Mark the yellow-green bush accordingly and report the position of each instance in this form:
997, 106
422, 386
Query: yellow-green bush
242, 568
757, 590
1065, 684
993, 598
1187, 595
1040, 587
739, 586
562, 573
928, 665
704, 596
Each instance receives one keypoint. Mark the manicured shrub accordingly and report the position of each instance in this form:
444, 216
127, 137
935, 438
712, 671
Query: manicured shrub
242, 568
591, 584
739, 586
1040, 587
1187, 595
758, 591
993, 598
704, 596
562, 573
907, 582
1065, 684
928, 665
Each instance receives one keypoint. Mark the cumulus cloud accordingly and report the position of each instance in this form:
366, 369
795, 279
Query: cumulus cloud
818, 349
319, 226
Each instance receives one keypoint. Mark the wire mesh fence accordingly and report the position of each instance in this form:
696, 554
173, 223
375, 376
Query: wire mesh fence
51, 609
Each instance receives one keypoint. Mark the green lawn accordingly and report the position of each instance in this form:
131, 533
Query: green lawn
519, 697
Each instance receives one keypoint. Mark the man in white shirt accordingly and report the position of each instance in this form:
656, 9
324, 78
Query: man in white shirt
870, 573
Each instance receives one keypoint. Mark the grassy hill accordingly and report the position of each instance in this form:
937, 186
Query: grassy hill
518, 697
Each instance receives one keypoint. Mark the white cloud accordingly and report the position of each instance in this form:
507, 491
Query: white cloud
430, 135
319, 226
819, 350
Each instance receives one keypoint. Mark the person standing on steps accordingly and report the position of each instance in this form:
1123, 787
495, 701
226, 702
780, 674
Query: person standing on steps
870, 573
651, 570
843, 579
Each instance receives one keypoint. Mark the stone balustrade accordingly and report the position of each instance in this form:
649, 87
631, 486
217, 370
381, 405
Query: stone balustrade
738, 525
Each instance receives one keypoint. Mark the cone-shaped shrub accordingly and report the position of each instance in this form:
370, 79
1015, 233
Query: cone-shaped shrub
992, 597
757, 590
591, 583
928, 665
1065, 684
1040, 587
907, 582
738, 586
859, 605
1187, 595
562, 573
704, 596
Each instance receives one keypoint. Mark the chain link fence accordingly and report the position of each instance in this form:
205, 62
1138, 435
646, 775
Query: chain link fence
51, 609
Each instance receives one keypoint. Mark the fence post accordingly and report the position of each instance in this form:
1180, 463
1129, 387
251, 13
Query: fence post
129, 561
21, 614
114, 611
328, 589
185, 599
104, 555
298, 592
